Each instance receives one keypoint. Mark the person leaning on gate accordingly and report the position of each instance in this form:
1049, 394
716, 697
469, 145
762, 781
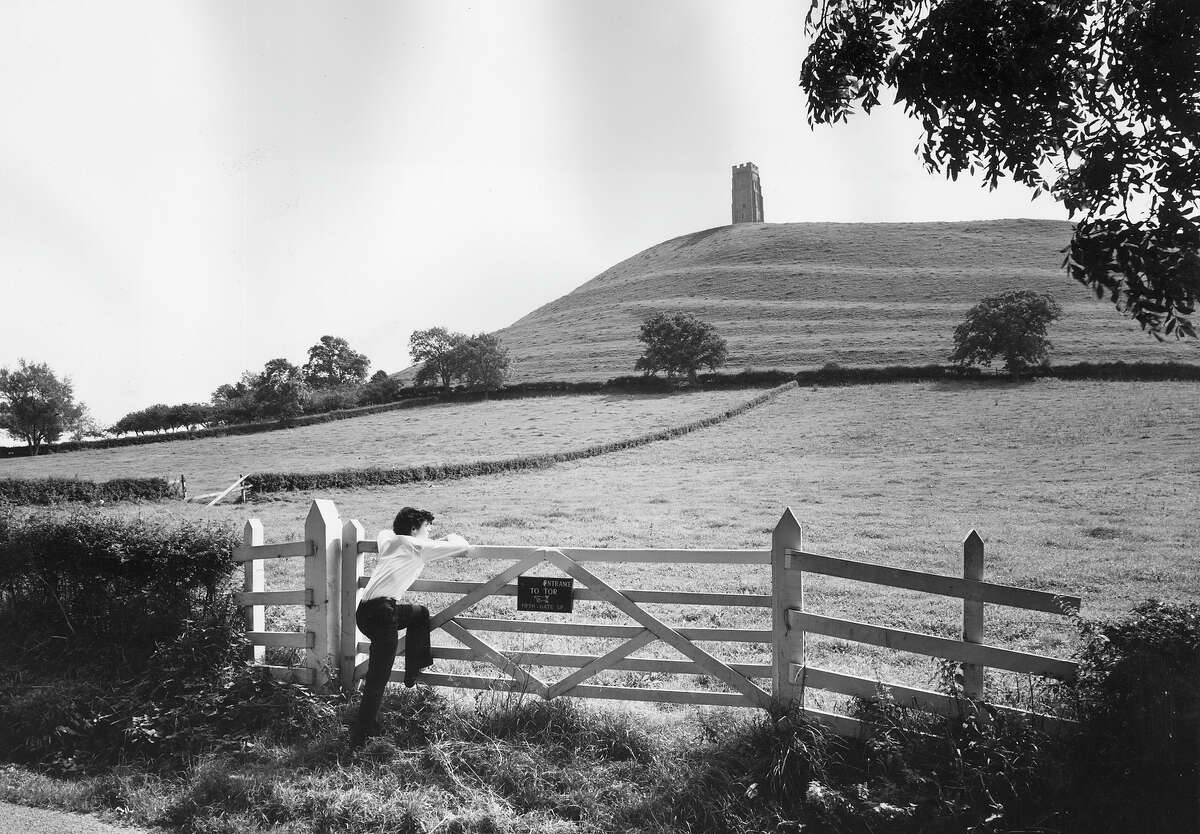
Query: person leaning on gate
404, 551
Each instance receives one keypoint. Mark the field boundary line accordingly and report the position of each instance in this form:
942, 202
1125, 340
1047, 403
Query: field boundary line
269, 482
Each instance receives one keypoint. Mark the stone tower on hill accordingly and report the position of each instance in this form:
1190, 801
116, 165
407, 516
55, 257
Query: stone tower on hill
747, 194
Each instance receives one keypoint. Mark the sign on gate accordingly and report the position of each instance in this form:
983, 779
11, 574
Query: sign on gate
550, 594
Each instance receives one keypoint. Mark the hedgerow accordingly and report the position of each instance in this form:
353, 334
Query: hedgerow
267, 482
120, 640
106, 586
46, 491
830, 374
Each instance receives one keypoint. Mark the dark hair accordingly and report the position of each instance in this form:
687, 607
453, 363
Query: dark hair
409, 519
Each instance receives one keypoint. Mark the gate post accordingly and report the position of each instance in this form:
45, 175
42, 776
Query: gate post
323, 530
973, 678
254, 579
351, 569
787, 592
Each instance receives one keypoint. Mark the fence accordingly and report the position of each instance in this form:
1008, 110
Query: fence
334, 556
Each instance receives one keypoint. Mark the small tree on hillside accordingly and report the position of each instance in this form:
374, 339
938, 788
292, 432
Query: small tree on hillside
679, 343
381, 389
36, 406
332, 363
279, 390
234, 402
481, 361
435, 348
1011, 326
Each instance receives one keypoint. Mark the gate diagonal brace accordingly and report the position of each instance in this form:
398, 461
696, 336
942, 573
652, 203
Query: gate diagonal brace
660, 629
483, 591
528, 682
564, 686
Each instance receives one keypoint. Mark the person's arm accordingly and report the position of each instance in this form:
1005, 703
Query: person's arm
451, 545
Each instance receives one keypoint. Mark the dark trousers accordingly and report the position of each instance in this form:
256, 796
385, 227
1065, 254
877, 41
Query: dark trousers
381, 619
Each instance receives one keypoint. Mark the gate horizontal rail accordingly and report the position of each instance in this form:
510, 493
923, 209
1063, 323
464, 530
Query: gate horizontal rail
652, 556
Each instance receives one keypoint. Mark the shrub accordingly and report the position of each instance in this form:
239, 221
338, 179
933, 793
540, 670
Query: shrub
1135, 764
87, 586
119, 643
48, 491
324, 400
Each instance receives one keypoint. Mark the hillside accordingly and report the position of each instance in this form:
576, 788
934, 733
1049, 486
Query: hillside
797, 295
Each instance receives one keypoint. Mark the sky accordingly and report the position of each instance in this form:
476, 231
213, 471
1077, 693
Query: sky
189, 189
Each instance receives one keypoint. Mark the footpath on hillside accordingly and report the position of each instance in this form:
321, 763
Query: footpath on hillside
45, 821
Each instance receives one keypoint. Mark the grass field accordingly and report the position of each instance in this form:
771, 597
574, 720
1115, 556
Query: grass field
798, 295
452, 433
1084, 487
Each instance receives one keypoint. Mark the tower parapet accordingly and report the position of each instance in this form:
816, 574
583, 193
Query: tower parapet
747, 194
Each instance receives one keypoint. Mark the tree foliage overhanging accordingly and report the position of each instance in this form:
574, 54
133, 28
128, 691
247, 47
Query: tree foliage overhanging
1096, 102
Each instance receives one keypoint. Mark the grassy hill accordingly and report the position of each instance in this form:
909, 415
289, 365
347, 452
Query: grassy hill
798, 295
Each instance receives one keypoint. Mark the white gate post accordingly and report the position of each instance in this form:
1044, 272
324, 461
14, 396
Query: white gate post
787, 592
254, 580
973, 678
323, 531
351, 569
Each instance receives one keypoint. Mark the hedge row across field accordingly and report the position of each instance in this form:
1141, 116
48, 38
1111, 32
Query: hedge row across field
264, 482
416, 398
47, 491
215, 431
830, 374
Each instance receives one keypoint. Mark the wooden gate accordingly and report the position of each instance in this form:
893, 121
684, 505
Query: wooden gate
334, 554
515, 666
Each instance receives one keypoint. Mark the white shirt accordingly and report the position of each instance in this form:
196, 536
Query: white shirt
402, 558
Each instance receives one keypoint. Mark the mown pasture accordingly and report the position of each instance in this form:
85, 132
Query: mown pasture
435, 434
1083, 487
798, 295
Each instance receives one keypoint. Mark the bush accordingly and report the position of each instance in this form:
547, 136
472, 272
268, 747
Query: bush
324, 400
105, 589
119, 642
1135, 764
194, 695
61, 490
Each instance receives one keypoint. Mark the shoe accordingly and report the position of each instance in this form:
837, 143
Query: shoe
359, 735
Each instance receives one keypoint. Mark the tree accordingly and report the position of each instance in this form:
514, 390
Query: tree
37, 406
234, 402
481, 361
435, 348
1012, 326
1096, 102
189, 416
84, 425
332, 363
381, 389
279, 391
679, 343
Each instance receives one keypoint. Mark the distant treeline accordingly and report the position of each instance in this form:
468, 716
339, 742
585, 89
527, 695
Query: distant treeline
830, 374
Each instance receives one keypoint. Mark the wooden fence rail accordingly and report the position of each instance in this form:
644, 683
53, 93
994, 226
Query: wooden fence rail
334, 555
